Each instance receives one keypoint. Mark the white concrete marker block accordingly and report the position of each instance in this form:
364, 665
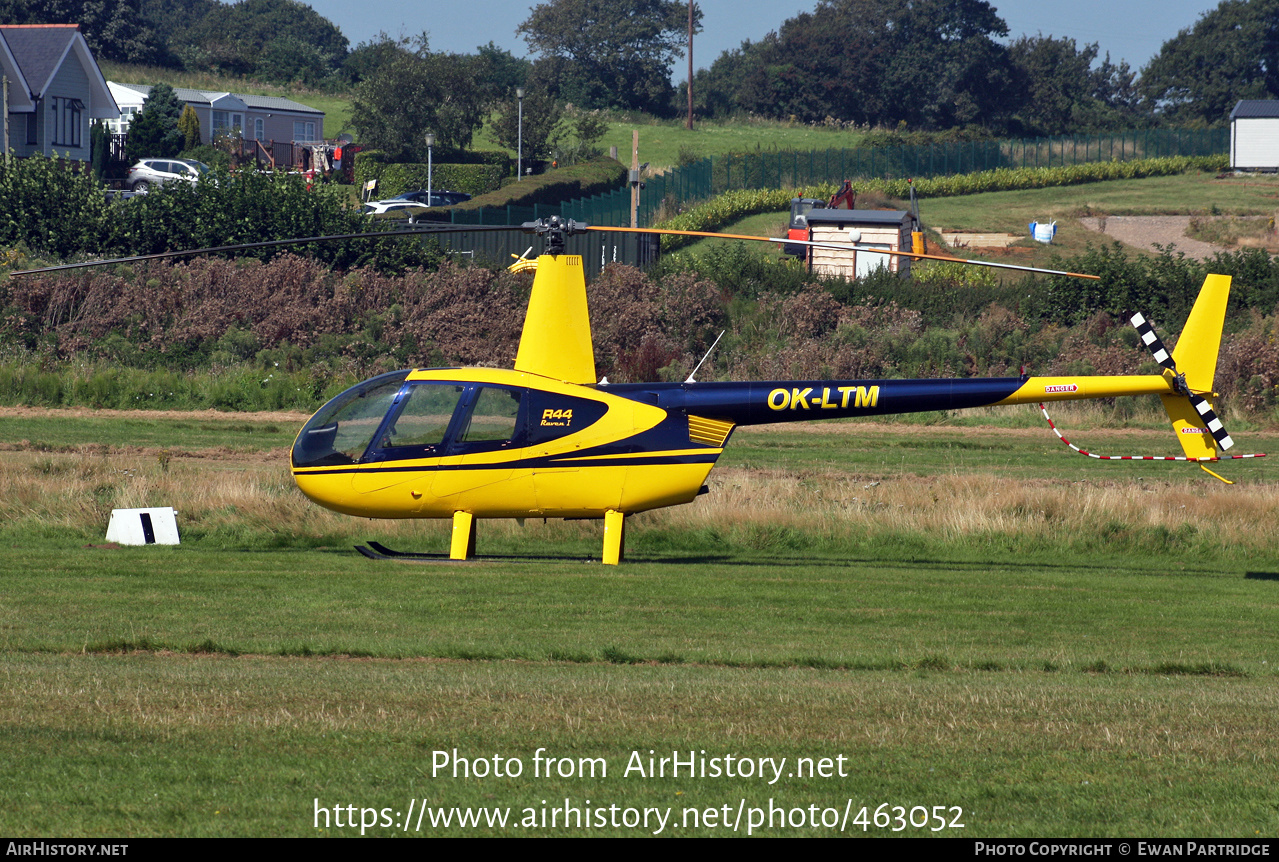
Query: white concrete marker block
143, 526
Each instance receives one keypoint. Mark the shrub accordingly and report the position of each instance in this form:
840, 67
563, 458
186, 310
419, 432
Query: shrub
63, 213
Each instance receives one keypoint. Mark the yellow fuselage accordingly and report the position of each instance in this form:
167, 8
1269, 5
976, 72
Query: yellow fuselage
581, 474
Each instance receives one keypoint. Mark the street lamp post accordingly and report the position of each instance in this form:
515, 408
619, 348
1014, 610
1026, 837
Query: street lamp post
519, 152
430, 142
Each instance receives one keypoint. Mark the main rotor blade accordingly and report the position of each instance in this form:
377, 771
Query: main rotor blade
672, 232
918, 256
268, 244
910, 254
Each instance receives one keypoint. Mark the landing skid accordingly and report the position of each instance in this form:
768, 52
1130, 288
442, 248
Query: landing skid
462, 543
378, 551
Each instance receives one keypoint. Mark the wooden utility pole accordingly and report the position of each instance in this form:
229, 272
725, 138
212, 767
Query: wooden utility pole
690, 65
635, 178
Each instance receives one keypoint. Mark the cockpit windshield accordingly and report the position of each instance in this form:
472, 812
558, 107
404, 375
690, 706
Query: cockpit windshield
342, 429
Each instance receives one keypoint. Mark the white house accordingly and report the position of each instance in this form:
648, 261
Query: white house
55, 88
1254, 135
261, 118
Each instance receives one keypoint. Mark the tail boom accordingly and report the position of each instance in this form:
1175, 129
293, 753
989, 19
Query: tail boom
1037, 389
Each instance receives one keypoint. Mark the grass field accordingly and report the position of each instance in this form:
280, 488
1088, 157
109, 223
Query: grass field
965, 612
662, 142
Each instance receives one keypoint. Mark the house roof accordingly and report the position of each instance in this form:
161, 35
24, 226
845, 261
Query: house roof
1255, 109
207, 97
38, 51
852, 217
276, 103
19, 94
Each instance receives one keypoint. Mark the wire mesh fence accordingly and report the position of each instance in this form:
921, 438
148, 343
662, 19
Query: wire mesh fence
793, 169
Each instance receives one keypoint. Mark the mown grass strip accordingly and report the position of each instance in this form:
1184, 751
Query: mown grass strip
613, 655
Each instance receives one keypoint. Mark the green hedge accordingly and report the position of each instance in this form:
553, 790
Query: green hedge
482, 181
475, 180
397, 177
553, 187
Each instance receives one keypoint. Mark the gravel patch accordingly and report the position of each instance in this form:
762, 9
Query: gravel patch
1144, 232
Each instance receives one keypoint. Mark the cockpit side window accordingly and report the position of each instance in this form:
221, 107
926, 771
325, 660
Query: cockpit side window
423, 419
494, 421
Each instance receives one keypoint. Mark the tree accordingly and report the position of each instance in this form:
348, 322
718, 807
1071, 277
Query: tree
171, 17
614, 53
287, 60
1231, 53
927, 63
189, 126
114, 29
1062, 92
945, 67
829, 62
541, 114
264, 37
499, 72
551, 129
367, 58
416, 92
154, 132
97, 149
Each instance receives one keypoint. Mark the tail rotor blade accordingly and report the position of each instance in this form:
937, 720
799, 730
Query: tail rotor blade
1153, 342
1157, 349
1211, 422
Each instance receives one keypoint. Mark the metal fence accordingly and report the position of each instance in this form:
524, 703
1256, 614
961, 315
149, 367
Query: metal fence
271, 154
597, 248
763, 170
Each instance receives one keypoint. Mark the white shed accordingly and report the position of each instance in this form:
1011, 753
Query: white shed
874, 230
1254, 135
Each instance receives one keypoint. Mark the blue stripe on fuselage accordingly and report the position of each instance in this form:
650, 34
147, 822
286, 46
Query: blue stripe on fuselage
765, 402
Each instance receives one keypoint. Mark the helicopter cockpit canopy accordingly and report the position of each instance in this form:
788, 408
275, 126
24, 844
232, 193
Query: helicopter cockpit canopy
343, 429
392, 417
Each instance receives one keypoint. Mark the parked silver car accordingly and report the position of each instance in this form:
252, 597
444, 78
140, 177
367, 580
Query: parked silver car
396, 209
157, 172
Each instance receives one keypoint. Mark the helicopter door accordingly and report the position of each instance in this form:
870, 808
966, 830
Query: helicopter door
562, 486
477, 470
411, 437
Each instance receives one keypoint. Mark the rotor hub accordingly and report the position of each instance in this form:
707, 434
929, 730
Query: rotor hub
554, 231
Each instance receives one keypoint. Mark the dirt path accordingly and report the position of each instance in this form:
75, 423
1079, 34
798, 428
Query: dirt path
104, 412
1145, 232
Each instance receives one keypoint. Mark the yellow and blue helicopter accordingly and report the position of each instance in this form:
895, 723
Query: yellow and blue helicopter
546, 439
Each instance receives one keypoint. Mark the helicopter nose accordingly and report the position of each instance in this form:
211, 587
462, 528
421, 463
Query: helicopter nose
330, 490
